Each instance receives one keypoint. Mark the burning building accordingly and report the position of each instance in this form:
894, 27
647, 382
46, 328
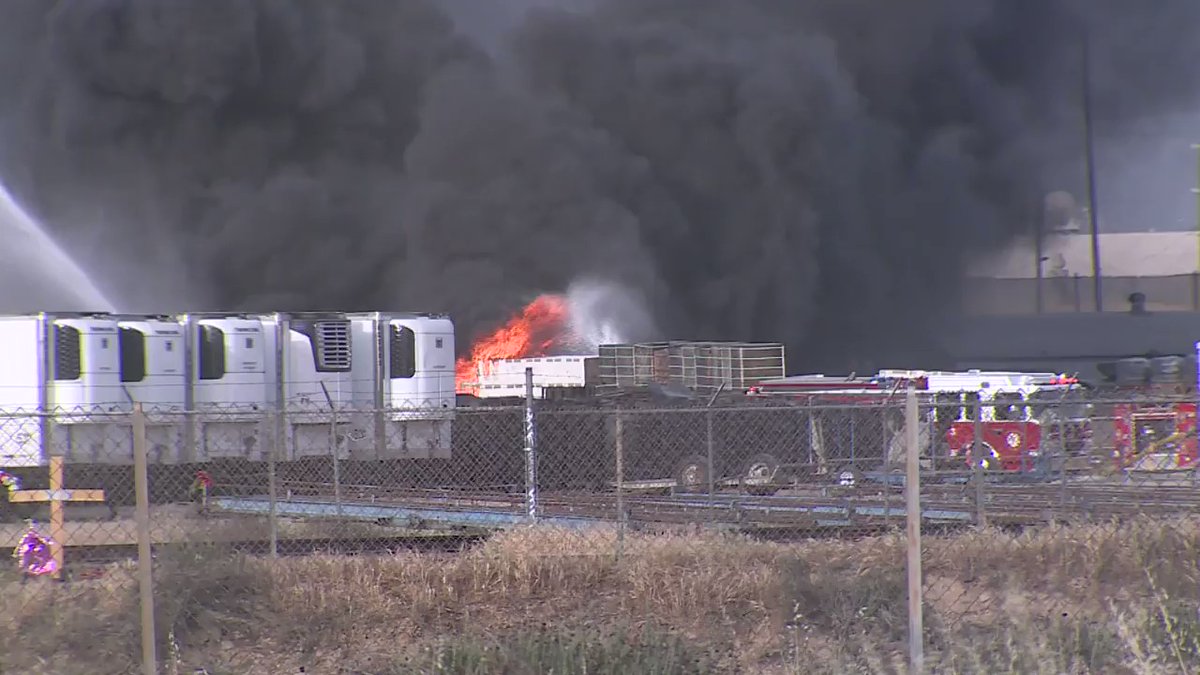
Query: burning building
547, 338
541, 329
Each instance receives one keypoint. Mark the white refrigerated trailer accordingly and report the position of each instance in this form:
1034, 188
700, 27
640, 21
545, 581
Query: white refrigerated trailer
226, 386
61, 389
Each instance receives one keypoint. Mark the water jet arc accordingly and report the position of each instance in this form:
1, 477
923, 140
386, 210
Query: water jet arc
35, 272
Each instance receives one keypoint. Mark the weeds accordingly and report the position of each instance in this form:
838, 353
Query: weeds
650, 653
1112, 599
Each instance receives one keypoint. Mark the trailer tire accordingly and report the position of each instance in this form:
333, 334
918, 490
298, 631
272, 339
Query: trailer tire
693, 472
991, 458
848, 476
762, 467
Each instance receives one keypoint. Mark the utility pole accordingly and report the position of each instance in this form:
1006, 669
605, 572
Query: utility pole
1093, 215
1039, 231
1196, 191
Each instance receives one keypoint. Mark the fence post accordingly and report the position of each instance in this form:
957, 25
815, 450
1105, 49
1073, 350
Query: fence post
912, 494
977, 453
141, 486
333, 450
889, 438
531, 486
619, 432
1063, 455
337, 468
282, 340
710, 443
272, 487
382, 402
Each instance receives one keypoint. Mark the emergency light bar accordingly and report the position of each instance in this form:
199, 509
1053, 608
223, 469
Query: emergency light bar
1061, 379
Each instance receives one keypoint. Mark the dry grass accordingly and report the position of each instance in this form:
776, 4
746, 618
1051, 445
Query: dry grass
1089, 599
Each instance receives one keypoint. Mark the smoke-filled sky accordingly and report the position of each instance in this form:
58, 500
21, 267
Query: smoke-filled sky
810, 171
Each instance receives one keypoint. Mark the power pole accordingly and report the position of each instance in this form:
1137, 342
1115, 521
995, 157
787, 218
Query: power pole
1039, 232
1196, 191
1093, 215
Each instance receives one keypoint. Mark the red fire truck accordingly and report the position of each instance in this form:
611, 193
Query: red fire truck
1023, 417
1155, 436
1022, 413
1152, 405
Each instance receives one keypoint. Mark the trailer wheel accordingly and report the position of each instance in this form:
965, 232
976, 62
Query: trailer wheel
758, 474
848, 476
761, 467
693, 472
990, 460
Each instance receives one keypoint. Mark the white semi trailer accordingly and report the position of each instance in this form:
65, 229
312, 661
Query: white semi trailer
226, 386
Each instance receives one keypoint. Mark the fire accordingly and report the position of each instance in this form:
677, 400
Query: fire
540, 328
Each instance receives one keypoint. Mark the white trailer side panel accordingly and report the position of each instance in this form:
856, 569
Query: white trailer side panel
20, 381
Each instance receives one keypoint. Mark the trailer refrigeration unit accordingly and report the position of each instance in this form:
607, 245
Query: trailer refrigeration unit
153, 364
374, 386
367, 387
224, 391
60, 389
404, 384
310, 376
228, 380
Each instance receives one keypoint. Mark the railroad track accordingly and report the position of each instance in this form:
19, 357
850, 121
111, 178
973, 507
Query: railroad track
1016, 504
854, 512
796, 512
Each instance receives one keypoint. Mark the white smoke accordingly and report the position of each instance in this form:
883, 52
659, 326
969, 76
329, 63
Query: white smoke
605, 312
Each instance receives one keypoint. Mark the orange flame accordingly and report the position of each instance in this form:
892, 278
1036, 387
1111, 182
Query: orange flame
540, 328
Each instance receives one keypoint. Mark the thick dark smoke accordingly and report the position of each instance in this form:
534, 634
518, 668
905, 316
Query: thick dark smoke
813, 171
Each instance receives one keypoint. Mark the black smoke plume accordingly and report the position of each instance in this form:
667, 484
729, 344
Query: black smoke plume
818, 172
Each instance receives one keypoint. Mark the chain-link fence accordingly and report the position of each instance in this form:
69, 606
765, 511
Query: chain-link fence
1055, 535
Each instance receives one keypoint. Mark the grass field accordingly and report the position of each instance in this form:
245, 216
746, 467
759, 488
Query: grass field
1086, 599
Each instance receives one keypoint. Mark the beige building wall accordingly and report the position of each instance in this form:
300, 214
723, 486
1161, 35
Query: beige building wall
1164, 266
